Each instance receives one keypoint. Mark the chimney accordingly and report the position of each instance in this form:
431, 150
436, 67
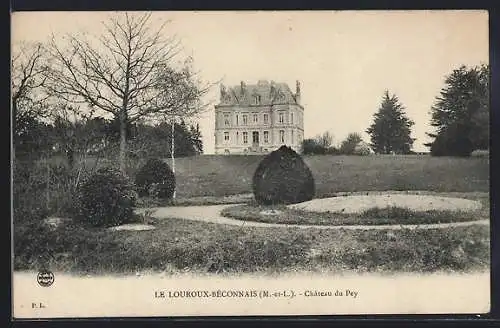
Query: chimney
222, 92
272, 89
297, 92
243, 86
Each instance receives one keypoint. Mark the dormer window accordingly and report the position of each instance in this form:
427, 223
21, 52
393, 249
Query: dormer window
256, 99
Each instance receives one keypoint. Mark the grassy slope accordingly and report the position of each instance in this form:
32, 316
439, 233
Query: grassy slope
212, 175
223, 175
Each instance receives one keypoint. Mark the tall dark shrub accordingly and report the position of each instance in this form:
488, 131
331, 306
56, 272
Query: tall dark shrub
155, 178
105, 198
282, 177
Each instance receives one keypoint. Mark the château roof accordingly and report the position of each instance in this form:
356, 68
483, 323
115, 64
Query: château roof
269, 92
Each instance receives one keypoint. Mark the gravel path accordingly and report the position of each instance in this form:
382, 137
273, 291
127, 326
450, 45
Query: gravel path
212, 214
357, 204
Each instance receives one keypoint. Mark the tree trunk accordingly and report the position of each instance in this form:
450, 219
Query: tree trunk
123, 140
70, 155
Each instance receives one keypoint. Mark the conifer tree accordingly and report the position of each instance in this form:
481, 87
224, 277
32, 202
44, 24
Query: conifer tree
390, 131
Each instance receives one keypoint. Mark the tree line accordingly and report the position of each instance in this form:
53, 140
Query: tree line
459, 115
131, 73
98, 136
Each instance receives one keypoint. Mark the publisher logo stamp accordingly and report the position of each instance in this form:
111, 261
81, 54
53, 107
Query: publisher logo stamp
45, 278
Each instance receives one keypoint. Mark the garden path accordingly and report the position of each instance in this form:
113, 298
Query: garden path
211, 214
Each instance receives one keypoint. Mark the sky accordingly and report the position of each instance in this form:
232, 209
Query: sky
343, 59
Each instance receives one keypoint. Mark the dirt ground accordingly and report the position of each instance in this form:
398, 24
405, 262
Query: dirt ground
360, 203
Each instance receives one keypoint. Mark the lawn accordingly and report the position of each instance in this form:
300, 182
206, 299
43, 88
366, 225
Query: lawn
221, 175
181, 245
375, 216
216, 176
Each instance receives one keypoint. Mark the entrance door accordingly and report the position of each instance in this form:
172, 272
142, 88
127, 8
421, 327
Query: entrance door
255, 138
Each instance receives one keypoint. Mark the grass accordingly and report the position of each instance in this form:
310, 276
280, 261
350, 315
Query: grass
375, 216
218, 176
182, 245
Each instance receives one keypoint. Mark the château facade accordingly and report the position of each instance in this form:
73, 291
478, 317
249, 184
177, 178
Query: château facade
258, 118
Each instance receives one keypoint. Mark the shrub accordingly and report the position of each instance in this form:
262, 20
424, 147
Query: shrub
282, 177
157, 172
161, 190
349, 144
105, 198
484, 153
361, 149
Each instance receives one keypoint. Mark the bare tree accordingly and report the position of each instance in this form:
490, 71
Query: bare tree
27, 81
127, 71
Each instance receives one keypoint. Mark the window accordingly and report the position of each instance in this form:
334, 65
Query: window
226, 136
237, 117
293, 137
266, 136
255, 118
237, 137
266, 119
255, 137
282, 136
245, 119
226, 120
245, 137
281, 117
256, 99
291, 118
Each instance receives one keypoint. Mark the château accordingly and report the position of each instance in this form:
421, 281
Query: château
258, 118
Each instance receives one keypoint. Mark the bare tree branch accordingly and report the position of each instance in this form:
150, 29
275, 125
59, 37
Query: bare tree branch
27, 79
128, 71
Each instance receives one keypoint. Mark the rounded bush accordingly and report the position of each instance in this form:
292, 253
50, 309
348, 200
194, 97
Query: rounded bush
362, 149
105, 198
156, 179
282, 177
